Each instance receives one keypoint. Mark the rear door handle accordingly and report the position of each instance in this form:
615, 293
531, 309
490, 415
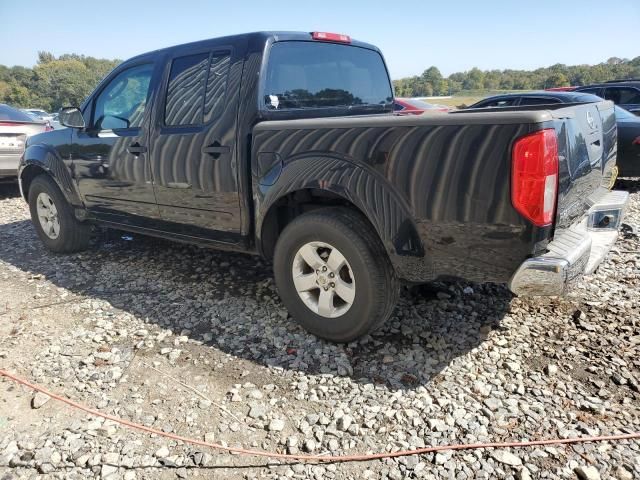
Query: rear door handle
215, 149
136, 149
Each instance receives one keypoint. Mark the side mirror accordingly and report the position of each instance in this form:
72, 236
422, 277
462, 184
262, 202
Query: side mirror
71, 117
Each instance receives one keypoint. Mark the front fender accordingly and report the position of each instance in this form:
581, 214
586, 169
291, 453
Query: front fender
362, 187
40, 158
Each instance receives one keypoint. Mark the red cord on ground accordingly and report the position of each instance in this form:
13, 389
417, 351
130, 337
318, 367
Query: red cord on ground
319, 458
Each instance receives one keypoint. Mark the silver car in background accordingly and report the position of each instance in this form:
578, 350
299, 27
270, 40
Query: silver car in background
38, 114
15, 127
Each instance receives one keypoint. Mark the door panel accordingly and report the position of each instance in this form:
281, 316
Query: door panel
110, 158
193, 150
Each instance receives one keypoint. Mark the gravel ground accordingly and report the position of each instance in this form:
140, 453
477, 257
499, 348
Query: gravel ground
197, 342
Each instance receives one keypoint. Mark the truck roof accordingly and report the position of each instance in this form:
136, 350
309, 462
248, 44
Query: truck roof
262, 37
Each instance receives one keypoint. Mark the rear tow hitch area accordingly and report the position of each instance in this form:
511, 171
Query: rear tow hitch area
574, 252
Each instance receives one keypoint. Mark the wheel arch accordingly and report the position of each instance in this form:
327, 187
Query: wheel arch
317, 182
41, 159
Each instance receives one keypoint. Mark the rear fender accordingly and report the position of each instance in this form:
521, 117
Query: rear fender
362, 187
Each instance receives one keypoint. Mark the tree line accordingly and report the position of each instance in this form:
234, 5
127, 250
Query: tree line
52, 82
433, 83
68, 79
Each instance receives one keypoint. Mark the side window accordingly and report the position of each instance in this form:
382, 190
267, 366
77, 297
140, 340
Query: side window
505, 102
185, 90
122, 102
538, 101
622, 95
593, 91
216, 85
398, 107
196, 89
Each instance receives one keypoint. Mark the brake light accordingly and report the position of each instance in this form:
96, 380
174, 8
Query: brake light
636, 141
10, 124
331, 37
534, 176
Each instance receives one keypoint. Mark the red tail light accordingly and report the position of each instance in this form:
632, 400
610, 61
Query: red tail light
331, 37
10, 124
636, 141
534, 176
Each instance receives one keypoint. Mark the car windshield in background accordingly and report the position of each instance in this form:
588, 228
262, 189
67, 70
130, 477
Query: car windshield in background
9, 113
588, 98
304, 75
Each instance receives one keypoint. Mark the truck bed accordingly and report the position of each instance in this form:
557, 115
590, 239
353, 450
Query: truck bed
438, 185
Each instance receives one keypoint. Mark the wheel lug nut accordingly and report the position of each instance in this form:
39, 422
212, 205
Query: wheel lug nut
324, 269
332, 275
333, 285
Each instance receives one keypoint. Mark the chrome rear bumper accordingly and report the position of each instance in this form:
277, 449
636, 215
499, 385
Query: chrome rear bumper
575, 252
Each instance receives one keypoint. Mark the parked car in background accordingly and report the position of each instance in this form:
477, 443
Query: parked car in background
414, 106
628, 124
285, 145
39, 114
543, 97
560, 89
15, 127
624, 93
628, 143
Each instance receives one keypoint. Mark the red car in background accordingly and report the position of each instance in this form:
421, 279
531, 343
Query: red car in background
413, 106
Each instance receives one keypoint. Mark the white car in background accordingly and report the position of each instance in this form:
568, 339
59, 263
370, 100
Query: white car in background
38, 114
15, 127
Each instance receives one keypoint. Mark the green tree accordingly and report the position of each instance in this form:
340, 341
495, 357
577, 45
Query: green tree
556, 80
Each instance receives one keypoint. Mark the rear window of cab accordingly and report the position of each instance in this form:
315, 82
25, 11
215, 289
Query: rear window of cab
312, 75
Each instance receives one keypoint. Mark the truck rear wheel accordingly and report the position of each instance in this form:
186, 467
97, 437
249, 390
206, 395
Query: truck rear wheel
53, 218
333, 274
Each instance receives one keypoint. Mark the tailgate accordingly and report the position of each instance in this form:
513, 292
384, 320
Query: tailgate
587, 147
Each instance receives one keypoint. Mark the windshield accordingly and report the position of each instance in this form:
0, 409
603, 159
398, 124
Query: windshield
305, 75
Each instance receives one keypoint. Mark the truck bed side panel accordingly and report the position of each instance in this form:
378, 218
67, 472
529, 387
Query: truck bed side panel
453, 178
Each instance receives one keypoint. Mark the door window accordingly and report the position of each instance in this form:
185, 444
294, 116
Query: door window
502, 102
185, 90
216, 85
593, 91
538, 100
196, 88
622, 95
121, 104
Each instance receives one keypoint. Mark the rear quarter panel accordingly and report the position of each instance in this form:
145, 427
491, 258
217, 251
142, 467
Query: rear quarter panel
447, 177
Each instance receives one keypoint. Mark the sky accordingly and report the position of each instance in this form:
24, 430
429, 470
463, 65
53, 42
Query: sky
413, 35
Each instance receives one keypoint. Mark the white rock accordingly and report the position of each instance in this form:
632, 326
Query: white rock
162, 452
276, 425
506, 457
108, 471
39, 399
587, 473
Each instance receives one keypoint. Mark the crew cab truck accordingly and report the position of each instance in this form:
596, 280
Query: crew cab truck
285, 145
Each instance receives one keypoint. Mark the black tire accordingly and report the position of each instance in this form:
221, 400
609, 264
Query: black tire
73, 235
376, 286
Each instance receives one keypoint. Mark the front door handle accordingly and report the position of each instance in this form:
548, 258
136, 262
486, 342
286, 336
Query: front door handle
215, 149
136, 149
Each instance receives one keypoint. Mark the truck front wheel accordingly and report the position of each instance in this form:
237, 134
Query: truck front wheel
333, 274
53, 218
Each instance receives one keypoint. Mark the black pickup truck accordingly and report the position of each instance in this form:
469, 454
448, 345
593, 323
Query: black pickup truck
285, 145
